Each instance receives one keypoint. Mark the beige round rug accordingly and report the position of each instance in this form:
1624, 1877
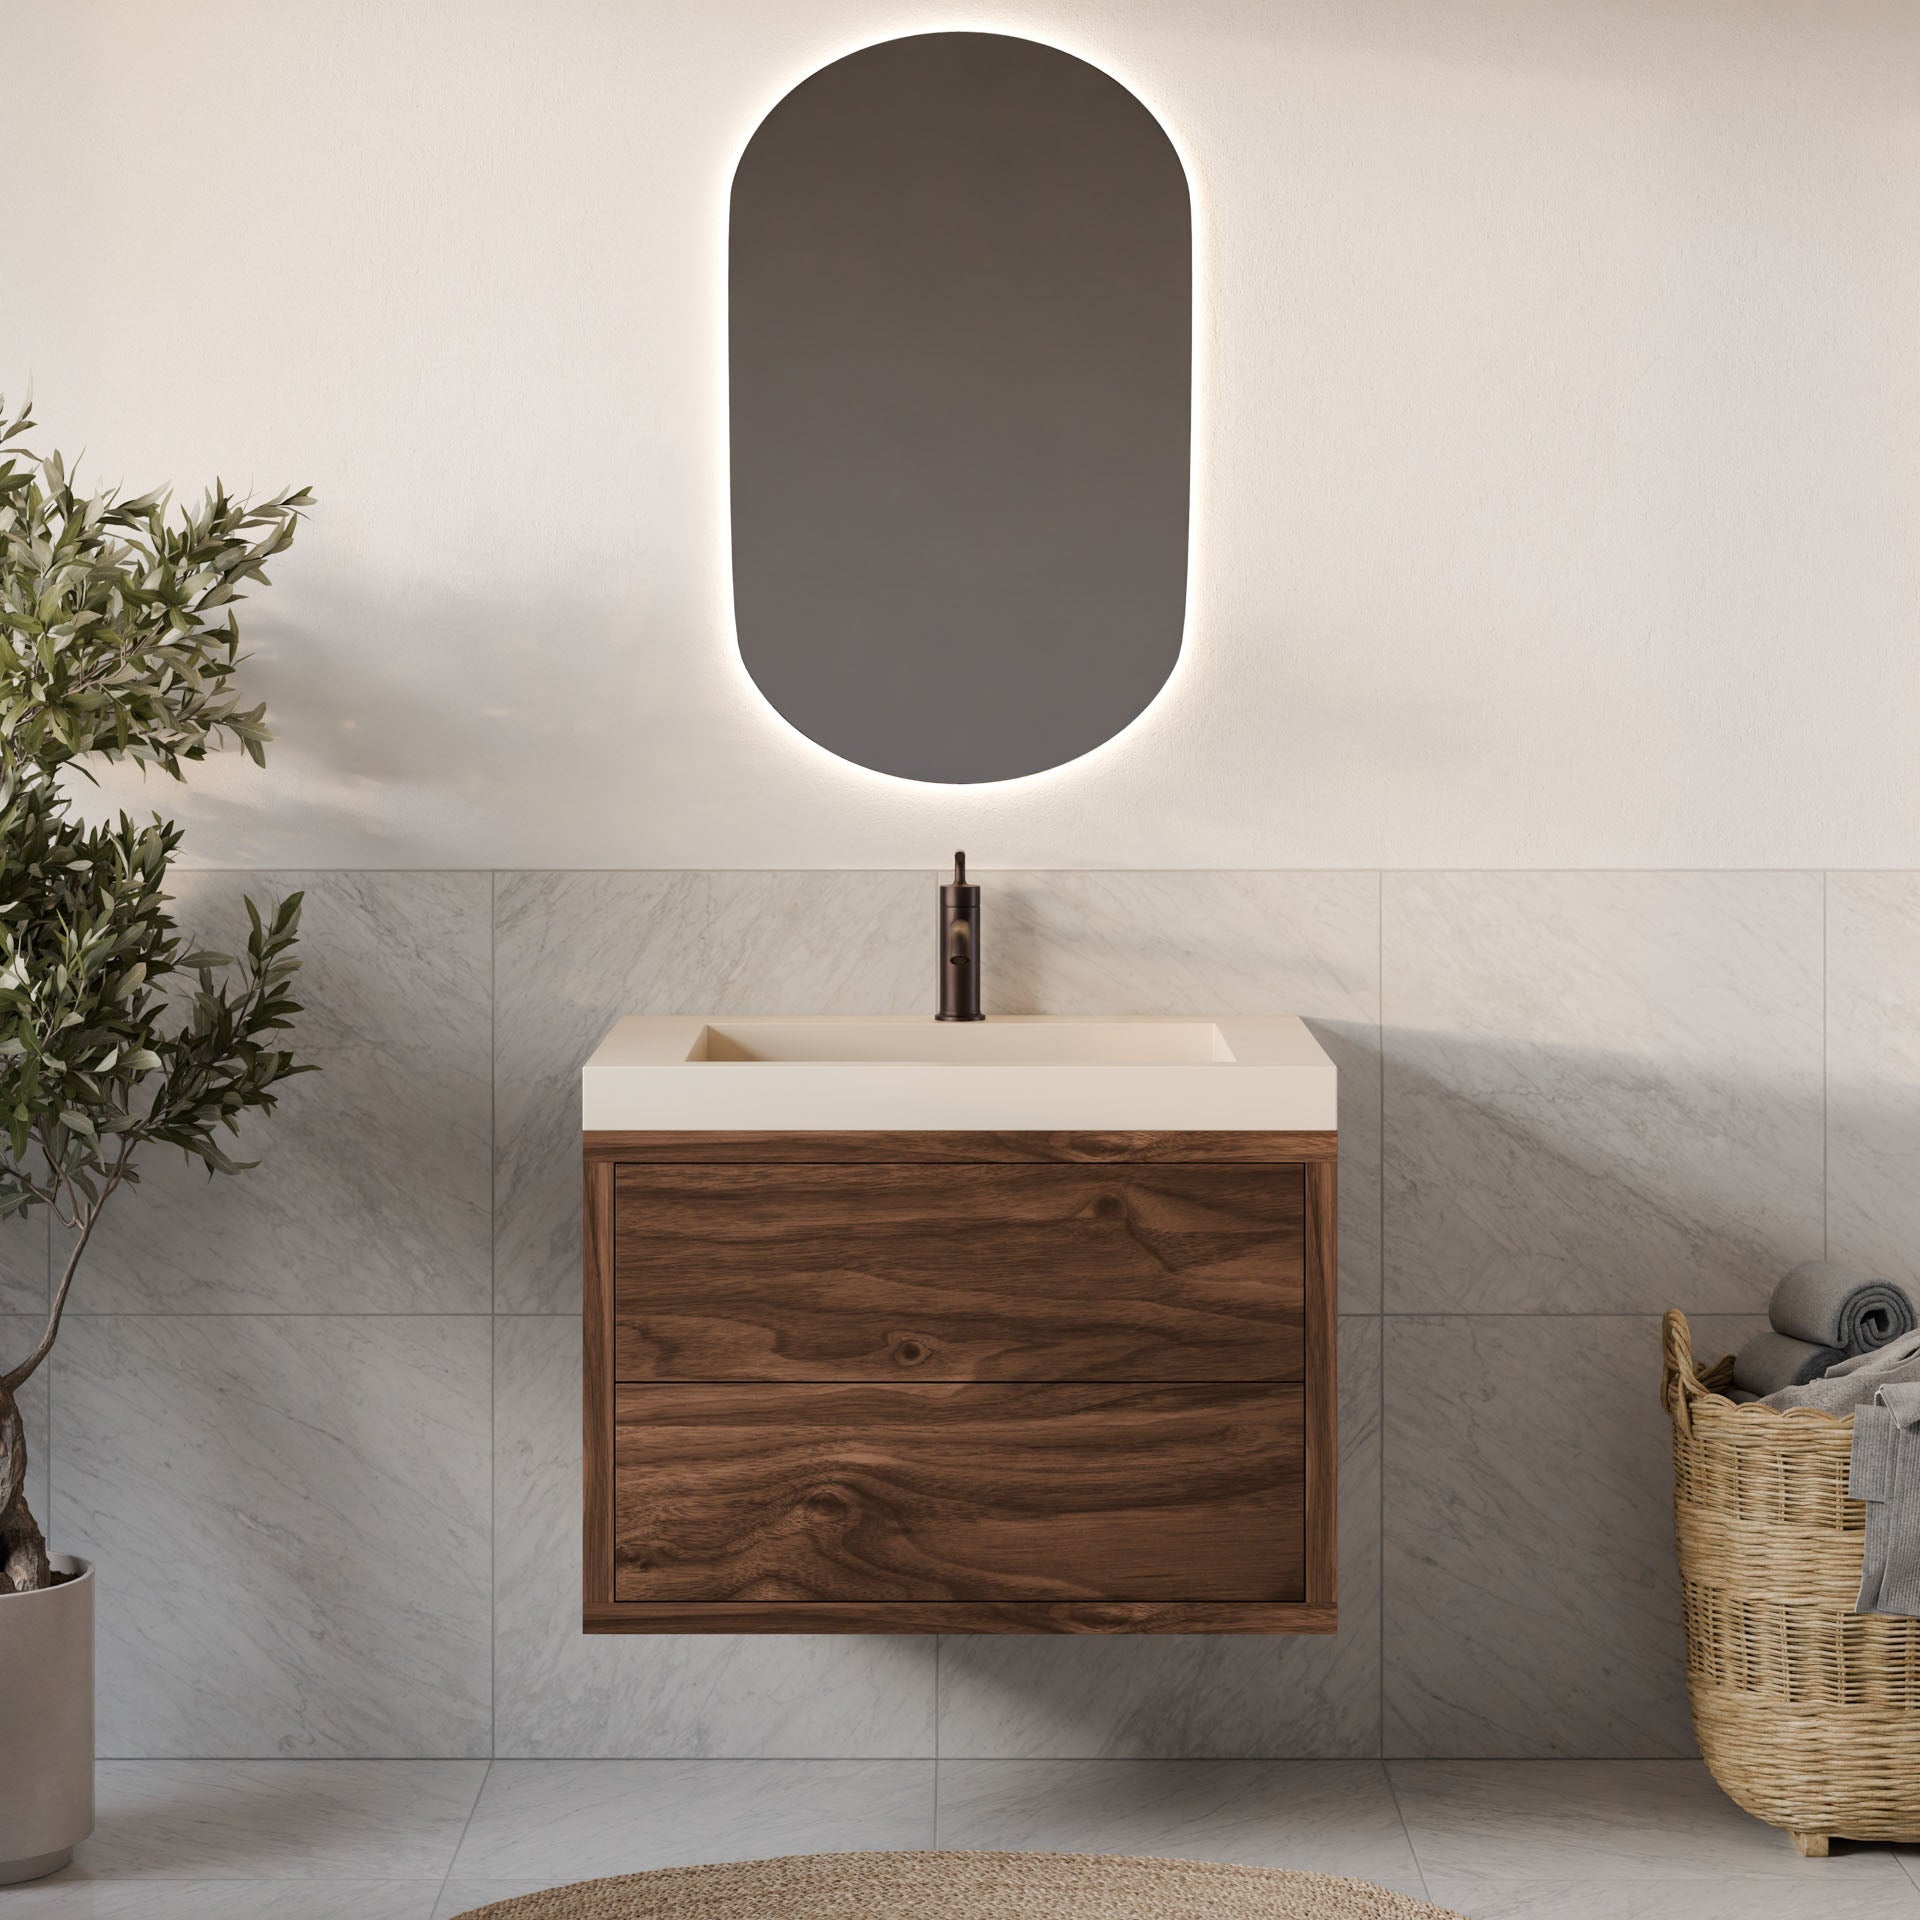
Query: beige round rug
965, 1886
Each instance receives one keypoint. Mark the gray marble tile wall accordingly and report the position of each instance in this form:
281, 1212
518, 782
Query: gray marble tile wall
319, 1426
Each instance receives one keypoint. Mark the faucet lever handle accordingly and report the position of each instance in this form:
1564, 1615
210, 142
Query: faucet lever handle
959, 869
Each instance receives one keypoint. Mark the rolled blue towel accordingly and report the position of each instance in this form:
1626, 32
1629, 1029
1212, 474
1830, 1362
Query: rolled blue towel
1827, 1303
1770, 1361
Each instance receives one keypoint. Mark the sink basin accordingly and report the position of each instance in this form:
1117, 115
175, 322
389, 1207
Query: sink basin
1024, 1073
1120, 1043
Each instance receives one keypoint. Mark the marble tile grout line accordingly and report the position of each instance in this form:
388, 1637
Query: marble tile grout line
1826, 1113
453, 1858
1400, 1814
1380, 1403
1534, 867
50, 1531
493, 1322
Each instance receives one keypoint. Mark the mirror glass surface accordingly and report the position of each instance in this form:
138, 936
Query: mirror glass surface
960, 338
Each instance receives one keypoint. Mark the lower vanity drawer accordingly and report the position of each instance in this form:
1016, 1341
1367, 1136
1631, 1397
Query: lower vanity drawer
964, 1492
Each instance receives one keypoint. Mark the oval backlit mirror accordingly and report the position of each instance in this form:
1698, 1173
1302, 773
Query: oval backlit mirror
960, 336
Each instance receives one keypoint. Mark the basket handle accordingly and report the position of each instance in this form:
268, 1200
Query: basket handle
1680, 1381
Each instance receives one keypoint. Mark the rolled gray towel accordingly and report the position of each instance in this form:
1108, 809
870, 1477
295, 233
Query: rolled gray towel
1827, 1303
1770, 1361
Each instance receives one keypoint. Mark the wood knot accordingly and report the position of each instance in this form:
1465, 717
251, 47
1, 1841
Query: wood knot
909, 1349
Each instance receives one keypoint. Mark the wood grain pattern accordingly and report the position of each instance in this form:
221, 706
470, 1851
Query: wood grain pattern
961, 1616
767, 1148
998, 1492
975, 1272
1310, 1607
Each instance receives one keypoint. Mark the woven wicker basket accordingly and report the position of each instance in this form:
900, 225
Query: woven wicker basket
1808, 1714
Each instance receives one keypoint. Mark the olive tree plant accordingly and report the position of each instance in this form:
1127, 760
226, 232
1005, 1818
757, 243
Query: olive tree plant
118, 641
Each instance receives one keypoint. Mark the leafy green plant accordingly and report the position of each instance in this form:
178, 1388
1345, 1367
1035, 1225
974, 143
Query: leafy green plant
118, 641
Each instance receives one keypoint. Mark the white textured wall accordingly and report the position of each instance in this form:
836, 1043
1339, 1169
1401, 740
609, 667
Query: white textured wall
1559, 476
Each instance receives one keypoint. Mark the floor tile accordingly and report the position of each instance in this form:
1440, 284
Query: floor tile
1873, 1068
1196, 1696
1485, 1823
460, 1897
1603, 1090
565, 1694
1531, 1591
62, 1898
1323, 1816
1198, 943
373, 1188
576, 951
277, 1819
579, 1820
290, 1515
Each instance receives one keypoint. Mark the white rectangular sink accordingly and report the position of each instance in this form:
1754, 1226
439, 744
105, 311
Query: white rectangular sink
1021, 1073
1130, 1043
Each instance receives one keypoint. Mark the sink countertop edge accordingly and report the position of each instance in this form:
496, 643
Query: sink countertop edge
643, 1078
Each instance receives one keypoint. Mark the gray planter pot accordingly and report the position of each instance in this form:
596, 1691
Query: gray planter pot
46, 1759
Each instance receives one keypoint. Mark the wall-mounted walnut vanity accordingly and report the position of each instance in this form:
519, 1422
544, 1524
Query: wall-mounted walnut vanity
1024, 1326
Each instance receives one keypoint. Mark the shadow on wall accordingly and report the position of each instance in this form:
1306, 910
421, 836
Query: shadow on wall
418, 749
1539, 1179
372, 1193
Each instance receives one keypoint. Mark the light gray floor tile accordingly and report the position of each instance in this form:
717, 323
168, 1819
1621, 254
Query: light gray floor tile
1603, 1090
566, 1694
290, 1516
1190, 1696
577, 1820
18, 1333
24, 1253
576, 951
1532, 1600
1482, 1824
1321, 1816
1735, 1897
277, 1819
1909, 1858
1873, 1071
372, 1192
62, 1898
1198, 943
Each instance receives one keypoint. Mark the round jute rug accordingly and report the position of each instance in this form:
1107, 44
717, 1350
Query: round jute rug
966, 1886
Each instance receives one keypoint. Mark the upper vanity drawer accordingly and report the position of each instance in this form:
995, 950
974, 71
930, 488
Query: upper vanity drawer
982, 1272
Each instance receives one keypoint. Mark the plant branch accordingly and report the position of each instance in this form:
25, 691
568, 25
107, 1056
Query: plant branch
12, 1382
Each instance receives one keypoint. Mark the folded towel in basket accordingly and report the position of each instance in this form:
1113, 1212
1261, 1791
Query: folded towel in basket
1885, 1473
1828, 1303
1853, 1382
